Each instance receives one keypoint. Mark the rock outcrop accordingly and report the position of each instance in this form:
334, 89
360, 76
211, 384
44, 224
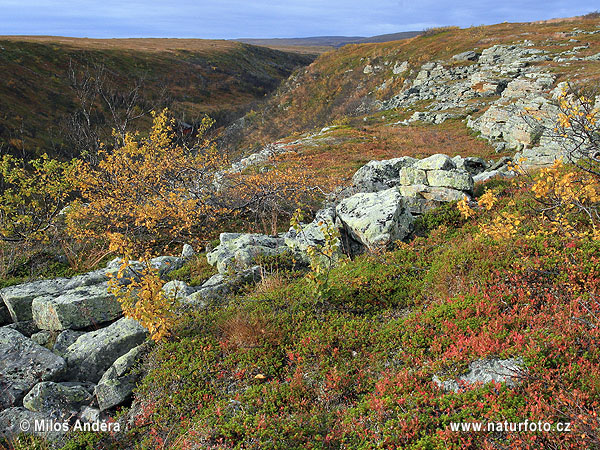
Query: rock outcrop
484, 371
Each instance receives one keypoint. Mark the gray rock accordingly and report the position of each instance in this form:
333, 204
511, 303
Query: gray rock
87, 279
376, 219
76, 309
42, 338
94, 352
18, 298
238, 251
501, 163
52, 397
117, 384
64, 340
187, 252
469, 55
311, 235
23, 363
27, 327
177, 290
471, 164
454, 179
377, 175
90, 415
4, 314
400, 67
219, 286
12, 420
411, 175
485, 176
166, 264
485, 371
436, 162
420, 198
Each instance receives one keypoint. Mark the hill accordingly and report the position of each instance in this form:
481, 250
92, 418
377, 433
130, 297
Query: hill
194, 77
325, 43
358, 81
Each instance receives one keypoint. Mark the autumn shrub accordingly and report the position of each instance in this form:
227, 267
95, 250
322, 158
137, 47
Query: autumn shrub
578, 128
149, 194
270, 193
32, 194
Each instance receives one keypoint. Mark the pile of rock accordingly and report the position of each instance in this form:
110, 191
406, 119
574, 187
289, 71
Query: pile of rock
376, 211
514, 121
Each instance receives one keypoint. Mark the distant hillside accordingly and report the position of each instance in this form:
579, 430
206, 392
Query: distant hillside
327, 42
221, 78
355, 80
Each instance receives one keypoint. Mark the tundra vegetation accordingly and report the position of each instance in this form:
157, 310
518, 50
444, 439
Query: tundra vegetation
337, 352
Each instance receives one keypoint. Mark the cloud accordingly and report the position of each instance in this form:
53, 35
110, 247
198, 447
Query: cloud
263, 18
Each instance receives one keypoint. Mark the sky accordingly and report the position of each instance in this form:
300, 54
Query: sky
229, 19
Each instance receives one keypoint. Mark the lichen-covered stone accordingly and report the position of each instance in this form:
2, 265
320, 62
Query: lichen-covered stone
18, 298
453, 179
376, 219
483, 371
117, 384
435, 162
94, 352
238, 251
48, 396
76, 309
23, 363
411, 175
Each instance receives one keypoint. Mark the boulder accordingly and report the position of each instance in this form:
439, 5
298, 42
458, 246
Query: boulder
23, 363
420, 198
178, 290
42, 338
117, 384
5, 317
453, 179
376, 175
469, 55
166, 264
87, 279
436, 162
18, 298
484, 371
411, 175
187, 252
52, 397
376, 219
94, 352
14, 420
64, 340
76, 309
238, 251
220, 286
311, 235
471, 164
26, 327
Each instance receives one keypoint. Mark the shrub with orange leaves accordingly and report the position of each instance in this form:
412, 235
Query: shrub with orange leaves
149, 193
578, 126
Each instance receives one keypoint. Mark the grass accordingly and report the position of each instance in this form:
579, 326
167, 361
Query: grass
276, 368
340, 152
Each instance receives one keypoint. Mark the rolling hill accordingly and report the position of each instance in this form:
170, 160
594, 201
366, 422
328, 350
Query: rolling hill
195, 77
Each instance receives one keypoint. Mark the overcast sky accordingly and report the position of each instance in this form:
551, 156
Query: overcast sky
266, 18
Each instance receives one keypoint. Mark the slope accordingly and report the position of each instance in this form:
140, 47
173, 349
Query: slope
216, 77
